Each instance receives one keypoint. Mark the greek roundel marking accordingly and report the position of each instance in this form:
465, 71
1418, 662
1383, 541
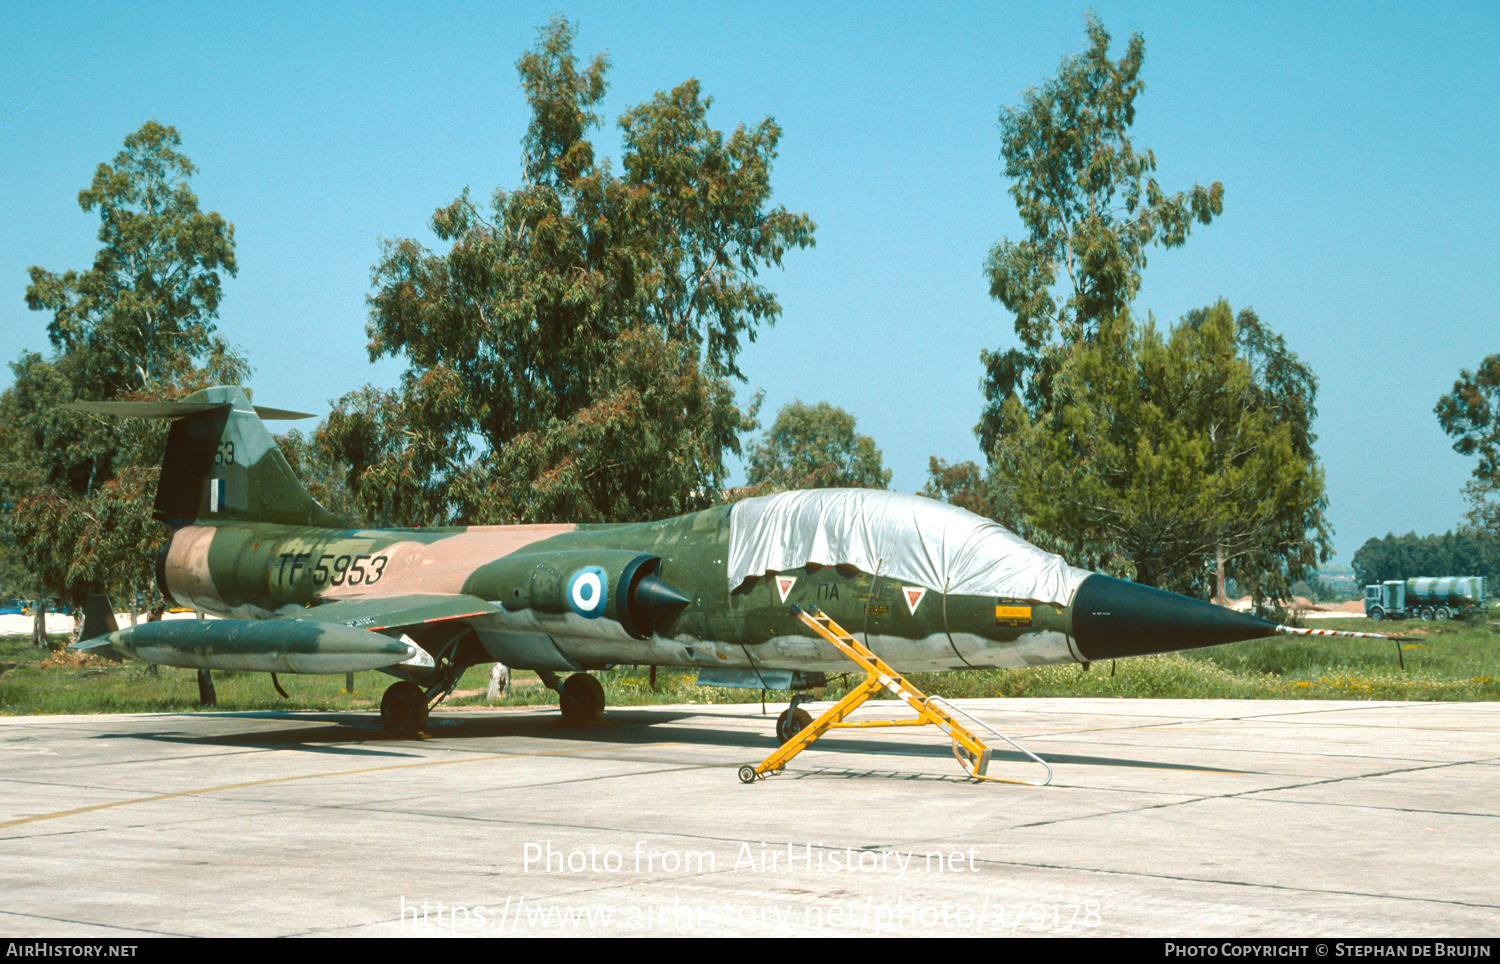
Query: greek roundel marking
587, 592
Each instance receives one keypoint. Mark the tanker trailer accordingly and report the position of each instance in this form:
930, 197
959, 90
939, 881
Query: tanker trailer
1424, 597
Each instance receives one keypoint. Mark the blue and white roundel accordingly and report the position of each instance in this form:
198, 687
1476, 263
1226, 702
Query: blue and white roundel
587, 593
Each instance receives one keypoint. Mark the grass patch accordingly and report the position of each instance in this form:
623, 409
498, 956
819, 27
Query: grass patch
1450, 661
34, 682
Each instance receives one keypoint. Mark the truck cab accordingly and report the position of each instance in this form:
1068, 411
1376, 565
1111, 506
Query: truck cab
1387, 599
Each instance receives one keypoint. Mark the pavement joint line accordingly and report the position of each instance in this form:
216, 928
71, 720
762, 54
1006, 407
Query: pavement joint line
1258, 885
384, 806
1270, 716
1250, 795
1367, 776
1380, 809
84, 923
286, 779
1297, 752
266, 808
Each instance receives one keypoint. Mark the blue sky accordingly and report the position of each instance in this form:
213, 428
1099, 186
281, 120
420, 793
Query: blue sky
1357, 144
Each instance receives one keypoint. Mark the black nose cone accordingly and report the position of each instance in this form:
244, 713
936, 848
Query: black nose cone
1113, 618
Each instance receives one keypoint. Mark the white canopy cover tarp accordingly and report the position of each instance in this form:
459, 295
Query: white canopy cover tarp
906, 537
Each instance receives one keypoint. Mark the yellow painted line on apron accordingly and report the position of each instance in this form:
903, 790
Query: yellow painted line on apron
270, 780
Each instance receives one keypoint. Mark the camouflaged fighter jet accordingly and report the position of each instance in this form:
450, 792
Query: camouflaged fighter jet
928, 586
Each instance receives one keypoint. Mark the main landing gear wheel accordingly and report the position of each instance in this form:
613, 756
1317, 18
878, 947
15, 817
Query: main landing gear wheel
793, 720
403, 709
582, 700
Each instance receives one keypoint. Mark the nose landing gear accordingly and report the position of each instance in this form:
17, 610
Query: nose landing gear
793, 720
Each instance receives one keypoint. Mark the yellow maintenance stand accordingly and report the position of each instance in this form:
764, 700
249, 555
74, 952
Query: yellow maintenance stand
968, 749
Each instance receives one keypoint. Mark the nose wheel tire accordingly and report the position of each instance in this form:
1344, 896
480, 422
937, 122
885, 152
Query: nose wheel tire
403, 709
791, 722
582, 700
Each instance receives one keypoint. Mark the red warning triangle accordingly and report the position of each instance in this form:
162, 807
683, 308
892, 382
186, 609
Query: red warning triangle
914, 596
784, 585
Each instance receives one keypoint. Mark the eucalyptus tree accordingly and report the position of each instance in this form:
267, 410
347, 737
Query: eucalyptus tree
570, 355
1168, 456
144, 311
815, 447
1161, 457
1091, 209
75, 491
1471, 414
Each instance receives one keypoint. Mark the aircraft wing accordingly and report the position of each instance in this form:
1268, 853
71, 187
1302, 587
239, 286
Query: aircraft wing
386, 612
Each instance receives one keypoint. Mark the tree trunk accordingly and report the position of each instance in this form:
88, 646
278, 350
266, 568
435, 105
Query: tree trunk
39, 624
206, 694
499, 682
1219, 572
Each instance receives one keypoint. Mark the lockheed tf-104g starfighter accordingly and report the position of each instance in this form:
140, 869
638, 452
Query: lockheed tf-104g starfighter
925, 585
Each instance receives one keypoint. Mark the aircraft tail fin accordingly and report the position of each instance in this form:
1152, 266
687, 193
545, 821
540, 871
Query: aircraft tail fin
221, 463
98, 623
98, 618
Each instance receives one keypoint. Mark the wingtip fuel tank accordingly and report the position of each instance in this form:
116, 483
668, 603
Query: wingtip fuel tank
257, 646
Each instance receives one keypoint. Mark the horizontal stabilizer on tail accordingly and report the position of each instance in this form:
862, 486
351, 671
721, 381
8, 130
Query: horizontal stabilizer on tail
221, 463
172, 409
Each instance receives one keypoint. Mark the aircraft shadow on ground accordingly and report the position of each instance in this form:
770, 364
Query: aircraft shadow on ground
360, 735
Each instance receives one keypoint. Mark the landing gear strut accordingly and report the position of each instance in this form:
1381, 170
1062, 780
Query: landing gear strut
403, 709
793, 720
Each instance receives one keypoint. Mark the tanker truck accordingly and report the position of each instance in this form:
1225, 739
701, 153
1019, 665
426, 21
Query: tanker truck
1425, 597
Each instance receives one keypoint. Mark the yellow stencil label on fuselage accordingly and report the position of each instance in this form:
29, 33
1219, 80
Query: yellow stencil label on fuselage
1012, 615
